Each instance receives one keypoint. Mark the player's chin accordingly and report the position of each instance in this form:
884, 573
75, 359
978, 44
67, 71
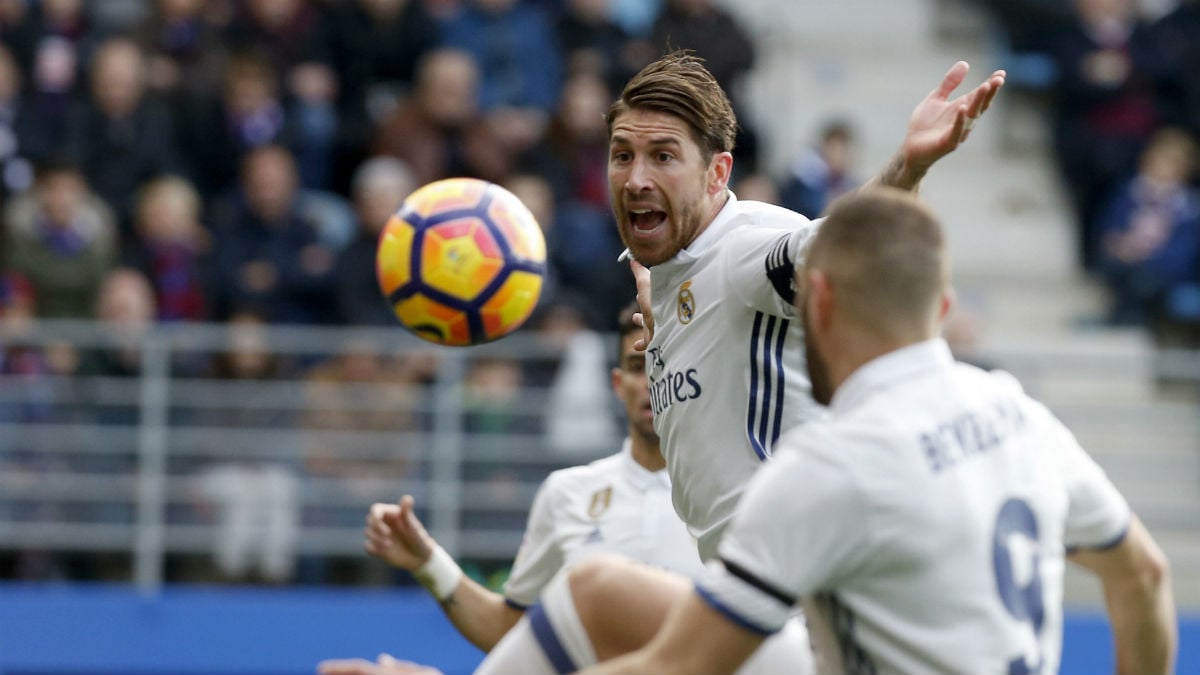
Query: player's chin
650, 253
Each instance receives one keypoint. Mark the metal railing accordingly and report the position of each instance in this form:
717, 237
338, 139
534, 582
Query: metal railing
128, 441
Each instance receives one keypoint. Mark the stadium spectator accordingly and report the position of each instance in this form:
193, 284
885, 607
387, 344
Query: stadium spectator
1106, 106
360, 403
62, 238
293, 36
50, 41
172, 248
184, 50
1150, 231
822, 173
246, 113
17, 130
120, 137
376, 46
574, 154
439, 132
592, 42
380, 186
268, 252
518, 53
253, 502
1177, 36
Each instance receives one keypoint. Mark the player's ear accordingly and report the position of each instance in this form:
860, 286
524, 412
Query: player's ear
719, 171
949, 298
615, 379
820, 298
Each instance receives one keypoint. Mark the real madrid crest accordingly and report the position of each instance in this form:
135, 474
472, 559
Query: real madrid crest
686, 308
601, 499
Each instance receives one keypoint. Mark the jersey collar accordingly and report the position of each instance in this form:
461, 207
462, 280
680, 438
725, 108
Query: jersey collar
905, 363
642, 478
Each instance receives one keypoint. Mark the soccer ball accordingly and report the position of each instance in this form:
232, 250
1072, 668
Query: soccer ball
462, 262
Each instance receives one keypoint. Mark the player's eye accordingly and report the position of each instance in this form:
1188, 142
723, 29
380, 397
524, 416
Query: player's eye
620, 156
665, 157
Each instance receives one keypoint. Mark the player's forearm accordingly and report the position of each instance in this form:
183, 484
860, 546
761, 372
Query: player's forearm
1142, 613
900, 173
479, 614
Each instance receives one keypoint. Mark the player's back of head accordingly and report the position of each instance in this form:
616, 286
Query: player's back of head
886, 253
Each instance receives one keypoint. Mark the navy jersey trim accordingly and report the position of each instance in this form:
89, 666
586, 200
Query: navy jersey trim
786, 599
515, 605
546, 638
733, 616
1104, 545
781, 272
764, 410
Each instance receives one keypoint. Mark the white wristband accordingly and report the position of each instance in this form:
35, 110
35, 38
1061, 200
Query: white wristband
440, 574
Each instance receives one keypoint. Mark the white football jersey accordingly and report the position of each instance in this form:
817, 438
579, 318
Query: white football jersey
726, 365
612, 505
924, 524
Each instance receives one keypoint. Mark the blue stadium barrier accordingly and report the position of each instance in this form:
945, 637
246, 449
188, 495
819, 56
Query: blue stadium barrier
194, 630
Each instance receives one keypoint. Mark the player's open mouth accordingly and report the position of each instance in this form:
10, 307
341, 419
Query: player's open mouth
646, 220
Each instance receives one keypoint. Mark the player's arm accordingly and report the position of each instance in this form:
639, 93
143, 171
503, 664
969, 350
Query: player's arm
937, 126
695, 638
1137, 592
396, 535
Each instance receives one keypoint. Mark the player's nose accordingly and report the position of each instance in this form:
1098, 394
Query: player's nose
639, 178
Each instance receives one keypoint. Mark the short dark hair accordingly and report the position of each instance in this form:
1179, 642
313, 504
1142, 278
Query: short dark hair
887, 251
678, 84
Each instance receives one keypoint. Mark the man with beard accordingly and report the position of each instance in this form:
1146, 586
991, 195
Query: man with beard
924, 523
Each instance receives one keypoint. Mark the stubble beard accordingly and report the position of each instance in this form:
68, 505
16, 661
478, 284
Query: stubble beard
818, 372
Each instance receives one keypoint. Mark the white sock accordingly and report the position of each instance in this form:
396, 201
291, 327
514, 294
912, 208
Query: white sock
548, 640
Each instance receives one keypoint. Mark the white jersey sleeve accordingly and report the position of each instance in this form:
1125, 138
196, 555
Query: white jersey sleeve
1097, 515
761, 262
540, 557
802, 524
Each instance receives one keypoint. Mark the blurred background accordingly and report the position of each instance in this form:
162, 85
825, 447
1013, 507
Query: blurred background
202, 391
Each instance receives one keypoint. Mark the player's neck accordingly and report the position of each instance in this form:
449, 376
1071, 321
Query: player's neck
646, 452
855, 350
718, 202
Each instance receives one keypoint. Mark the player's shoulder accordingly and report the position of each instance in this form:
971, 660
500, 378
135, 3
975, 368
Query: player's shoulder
571, 479
762, 219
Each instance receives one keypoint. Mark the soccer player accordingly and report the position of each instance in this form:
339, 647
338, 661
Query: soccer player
619, 504
724, 385
924, 523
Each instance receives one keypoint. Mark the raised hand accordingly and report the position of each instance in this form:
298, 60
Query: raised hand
939, 124
395, 535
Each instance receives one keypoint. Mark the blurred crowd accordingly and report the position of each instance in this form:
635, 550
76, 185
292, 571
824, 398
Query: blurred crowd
242, 155
233, 161
1124, 88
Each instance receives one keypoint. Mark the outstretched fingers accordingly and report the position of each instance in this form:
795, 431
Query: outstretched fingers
979, 99
954, 77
